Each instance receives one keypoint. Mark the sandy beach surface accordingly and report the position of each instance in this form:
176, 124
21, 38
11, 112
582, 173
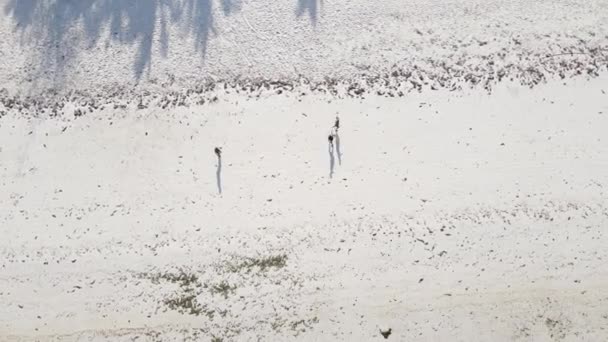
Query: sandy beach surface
464, 198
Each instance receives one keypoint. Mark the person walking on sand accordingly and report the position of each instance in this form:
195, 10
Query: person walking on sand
335, 127
218, 152
330, 138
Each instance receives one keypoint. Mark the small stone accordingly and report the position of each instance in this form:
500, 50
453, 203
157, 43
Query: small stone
386, 332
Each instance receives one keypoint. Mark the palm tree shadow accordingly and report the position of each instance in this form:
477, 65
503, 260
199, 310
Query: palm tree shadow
131, 23
201, 22
230, 6
310, 6
218, 175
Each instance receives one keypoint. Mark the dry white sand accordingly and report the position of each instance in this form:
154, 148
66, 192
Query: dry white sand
474, 218
442, 215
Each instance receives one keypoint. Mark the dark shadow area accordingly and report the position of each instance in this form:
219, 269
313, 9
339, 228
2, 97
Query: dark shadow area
337, 139
218, 175
130, 22
308, 6
230, 6
199, 15
331, 160
22, 10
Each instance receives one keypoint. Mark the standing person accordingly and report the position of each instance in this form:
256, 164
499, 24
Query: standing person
335, 127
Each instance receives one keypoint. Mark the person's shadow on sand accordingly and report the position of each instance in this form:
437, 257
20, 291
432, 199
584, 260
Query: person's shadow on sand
218, 175
331, 157
338, 152
218, 171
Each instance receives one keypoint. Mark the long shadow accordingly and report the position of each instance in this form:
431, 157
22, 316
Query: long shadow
338, 152
218, 175
308, 6
331, 160
142, 18
201, 22
130, 22
22, 10
229, 6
